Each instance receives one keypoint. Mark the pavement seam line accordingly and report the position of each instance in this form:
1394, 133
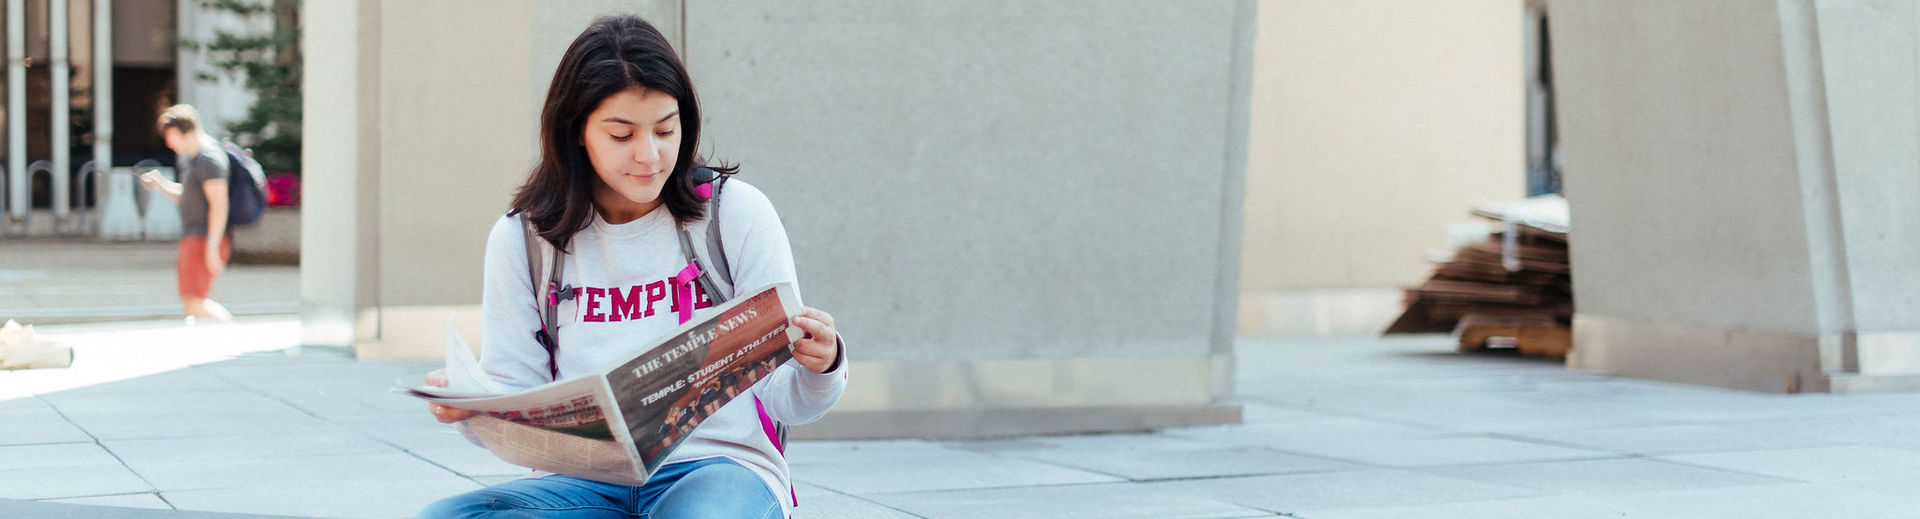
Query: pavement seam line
1659, 459
1237, 476
862, 499
91, 496
1123, 481
1560, 444
103, 448
310, 413
1131, 479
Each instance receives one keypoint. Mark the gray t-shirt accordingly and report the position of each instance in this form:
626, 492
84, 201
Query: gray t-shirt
195, 171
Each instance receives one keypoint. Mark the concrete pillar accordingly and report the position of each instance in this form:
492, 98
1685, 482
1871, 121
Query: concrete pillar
340, 96
1869, 62
103, 87
1741, 177
61, 129
18, 202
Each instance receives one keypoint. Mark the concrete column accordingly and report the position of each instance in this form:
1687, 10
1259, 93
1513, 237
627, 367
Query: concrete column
18, 203
340, 97
103, 87
1741, 176
62, 128
1869, 64
187, 21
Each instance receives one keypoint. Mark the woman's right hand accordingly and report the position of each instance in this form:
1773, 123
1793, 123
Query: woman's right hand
438, 378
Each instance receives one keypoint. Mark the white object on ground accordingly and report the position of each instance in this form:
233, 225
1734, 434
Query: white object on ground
20, 349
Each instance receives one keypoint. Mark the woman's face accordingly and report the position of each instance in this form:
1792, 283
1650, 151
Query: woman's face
633, 140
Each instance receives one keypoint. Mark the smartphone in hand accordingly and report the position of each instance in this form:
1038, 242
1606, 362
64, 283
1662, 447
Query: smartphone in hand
151, 179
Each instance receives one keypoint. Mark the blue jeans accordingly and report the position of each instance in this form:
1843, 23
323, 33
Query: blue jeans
709, 488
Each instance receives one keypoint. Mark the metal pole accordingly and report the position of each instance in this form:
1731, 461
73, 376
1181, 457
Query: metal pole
16, 112
184, 84
102, 87
62, 127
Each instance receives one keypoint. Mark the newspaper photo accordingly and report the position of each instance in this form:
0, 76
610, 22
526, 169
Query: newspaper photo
617, 424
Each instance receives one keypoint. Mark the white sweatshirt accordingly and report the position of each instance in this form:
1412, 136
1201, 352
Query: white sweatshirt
626, 300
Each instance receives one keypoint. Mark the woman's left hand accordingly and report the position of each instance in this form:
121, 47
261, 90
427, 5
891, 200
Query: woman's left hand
821, 346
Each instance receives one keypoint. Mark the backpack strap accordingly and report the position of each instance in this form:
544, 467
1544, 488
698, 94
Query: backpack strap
715, 252
714, 275
718, 288
547, 291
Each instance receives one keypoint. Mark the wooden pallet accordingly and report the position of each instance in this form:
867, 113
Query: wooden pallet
1538, 334
1527, 273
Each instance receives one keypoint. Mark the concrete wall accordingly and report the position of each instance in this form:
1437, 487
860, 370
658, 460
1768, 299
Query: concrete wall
1742, 182
551, 29
1011, 205
1374, 124
1025, 216
453, 146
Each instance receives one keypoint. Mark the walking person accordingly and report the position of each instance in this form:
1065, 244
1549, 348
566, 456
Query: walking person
201, 194
614, 188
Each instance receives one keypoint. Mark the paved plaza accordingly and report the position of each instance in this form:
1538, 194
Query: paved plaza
63, 281
157, 416
160, 419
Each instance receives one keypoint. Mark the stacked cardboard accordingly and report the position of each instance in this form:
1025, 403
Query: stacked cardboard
1515, 288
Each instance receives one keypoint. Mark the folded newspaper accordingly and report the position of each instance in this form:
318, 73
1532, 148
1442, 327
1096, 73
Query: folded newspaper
617, 424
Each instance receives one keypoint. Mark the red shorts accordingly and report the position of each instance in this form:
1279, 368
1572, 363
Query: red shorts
195, 280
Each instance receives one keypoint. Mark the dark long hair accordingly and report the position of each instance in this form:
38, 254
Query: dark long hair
614, 54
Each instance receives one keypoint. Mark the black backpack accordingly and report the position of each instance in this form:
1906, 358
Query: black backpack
246, 187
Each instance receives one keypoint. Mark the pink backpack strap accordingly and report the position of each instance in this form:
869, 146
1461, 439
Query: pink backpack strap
767, 426
683, 283
773, 435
